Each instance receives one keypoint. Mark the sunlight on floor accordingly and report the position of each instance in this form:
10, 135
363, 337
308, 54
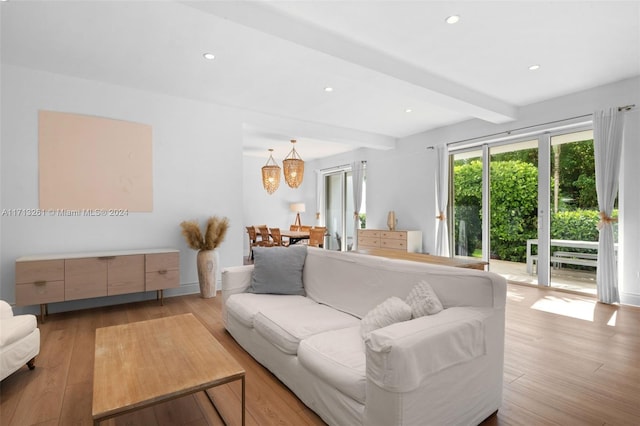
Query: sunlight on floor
576, 307
570, 307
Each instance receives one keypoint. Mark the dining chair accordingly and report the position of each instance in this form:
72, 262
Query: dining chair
277, 237
265, 238
316, 237
306, 228
294, 228
253, 239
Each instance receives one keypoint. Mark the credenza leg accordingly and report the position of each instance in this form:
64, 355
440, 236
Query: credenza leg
43, 311
160, 296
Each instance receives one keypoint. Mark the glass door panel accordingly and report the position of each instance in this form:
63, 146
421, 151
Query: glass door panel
513, 226
349, 230
334, 193
574, 212
466, 194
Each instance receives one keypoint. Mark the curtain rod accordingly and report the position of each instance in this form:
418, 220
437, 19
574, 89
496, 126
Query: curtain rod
508, 132
343, 166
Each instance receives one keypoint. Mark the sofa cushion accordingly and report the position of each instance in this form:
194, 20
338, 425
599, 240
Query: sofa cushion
15, 328
286, 326
337, 357
278, 270
244, 306
389, 312
423, 300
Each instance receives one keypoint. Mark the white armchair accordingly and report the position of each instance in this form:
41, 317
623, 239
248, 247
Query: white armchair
19, 340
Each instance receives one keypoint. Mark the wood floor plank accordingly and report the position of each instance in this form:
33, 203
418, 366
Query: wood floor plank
559, 369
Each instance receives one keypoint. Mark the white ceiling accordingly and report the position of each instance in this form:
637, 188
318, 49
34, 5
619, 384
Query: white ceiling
274, 59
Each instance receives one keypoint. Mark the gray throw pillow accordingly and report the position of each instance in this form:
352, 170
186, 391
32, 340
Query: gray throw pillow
278, 270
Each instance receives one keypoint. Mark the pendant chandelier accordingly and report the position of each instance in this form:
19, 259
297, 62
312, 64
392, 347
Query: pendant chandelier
293, 167
271, 174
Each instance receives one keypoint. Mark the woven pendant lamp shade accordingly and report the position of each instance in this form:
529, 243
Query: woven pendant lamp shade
271, 174
293, 168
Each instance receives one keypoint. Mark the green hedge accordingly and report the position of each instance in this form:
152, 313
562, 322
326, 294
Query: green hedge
514, 204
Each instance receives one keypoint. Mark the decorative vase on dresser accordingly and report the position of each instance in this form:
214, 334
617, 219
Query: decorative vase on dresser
391, 220
207, 263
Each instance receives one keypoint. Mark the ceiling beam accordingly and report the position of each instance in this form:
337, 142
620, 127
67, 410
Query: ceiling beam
427, 86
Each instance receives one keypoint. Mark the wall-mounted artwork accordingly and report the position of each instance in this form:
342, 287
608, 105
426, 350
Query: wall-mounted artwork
88, 162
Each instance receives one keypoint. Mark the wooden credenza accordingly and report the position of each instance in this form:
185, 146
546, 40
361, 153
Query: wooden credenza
409, 241
44, 279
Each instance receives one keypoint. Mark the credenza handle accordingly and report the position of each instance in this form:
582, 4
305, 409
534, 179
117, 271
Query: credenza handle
41, 282
106, 257
162, 271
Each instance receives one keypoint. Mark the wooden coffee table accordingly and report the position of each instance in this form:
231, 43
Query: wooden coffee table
145, 363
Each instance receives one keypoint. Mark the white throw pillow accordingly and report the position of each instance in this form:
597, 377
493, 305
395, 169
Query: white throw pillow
423, 300
388, 312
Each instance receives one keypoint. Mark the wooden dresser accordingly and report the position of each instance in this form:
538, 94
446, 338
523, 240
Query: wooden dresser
409, 241
44, 279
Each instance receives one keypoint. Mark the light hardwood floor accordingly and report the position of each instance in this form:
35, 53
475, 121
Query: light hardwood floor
568, 361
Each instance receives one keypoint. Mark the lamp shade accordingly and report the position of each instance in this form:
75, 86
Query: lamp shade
297, 207
271, 175
293, 168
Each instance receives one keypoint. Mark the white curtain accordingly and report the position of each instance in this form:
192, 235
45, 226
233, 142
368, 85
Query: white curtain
608, 127
442, 198
357, 175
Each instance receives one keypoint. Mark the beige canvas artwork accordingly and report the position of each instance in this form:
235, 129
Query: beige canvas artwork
88, 162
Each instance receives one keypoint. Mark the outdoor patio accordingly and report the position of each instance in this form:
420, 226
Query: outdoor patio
561, 278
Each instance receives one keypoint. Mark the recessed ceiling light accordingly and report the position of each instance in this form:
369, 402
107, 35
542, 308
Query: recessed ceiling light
328, 89
209, 56
408, 110
534, 67
452, 19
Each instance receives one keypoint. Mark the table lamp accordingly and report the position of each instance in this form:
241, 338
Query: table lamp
297, 208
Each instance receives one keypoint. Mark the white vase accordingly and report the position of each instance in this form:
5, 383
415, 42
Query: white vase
207, 262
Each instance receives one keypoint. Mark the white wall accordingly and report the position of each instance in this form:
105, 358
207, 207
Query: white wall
197, 152
404, 179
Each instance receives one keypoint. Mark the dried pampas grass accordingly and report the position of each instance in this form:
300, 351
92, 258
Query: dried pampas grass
213, 236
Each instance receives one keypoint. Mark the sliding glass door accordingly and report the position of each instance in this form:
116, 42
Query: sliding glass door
338, 202
528, 207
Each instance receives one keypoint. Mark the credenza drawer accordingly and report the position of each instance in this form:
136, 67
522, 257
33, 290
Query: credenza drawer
39, 270
39, 292
162, 261
368, 233
394, 235
164, 278
394, 244
368, 242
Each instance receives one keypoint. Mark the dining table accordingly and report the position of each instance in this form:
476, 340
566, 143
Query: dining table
295, 236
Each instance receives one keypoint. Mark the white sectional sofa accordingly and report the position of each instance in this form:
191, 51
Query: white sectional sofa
442, 369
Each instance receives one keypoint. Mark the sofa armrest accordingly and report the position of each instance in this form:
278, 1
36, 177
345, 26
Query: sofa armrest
5, 310
401, 356
235, 279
